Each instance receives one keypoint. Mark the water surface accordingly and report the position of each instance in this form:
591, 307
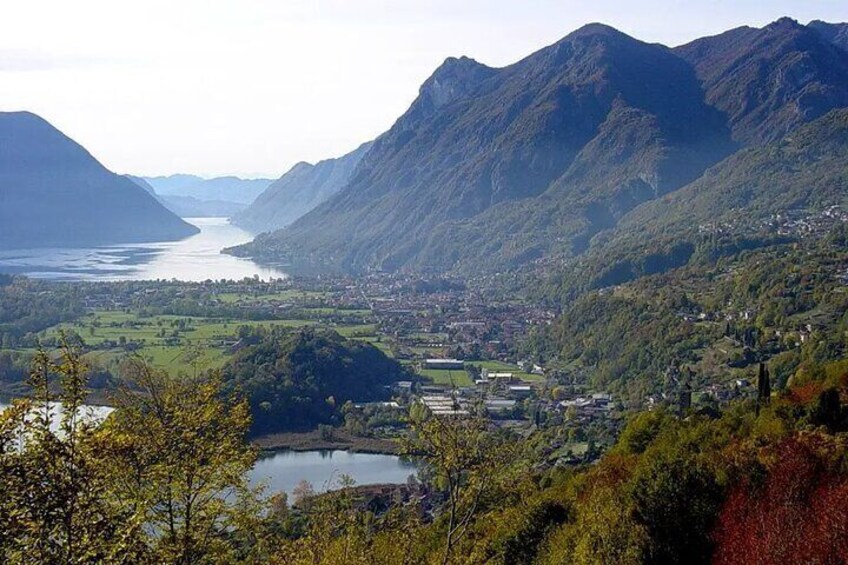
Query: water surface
283, 470
195, 258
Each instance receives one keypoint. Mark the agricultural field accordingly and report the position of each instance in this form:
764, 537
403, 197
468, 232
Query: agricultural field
175, 343
447, 377
182, 343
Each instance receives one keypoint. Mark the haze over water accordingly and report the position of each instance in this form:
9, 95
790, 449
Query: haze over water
196, 258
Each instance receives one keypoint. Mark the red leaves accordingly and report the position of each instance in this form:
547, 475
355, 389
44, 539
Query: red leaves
796, 514
804, 394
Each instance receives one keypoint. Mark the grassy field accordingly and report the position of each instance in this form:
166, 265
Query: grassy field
165, 341
461, 378
284, 296
447, 378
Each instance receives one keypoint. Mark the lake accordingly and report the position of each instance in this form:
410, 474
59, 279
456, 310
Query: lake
283, 470
196, 258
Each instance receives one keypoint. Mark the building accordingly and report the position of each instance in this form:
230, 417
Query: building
499, 404
440, 405
520, 391
498, 377
444, 364
595, 405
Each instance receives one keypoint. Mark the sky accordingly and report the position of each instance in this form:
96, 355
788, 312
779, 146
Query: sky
250, 87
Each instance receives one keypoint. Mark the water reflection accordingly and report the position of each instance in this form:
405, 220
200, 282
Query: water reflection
282, 471
196, 258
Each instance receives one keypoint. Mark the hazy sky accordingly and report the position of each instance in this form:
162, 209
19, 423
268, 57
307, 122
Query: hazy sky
252, 86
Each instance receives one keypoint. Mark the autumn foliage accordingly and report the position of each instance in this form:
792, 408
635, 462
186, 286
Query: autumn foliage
797, 512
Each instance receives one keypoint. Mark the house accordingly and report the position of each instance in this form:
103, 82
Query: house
594, 405
499, 404
402, 386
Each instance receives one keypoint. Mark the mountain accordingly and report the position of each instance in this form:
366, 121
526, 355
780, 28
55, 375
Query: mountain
298, 191
835, 33
54, 193
761, 195
145, 185
228, 189
172, 184
542, 160
488, 163
768, 81
190, 207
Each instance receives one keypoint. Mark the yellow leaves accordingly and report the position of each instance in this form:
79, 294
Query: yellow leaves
162, 480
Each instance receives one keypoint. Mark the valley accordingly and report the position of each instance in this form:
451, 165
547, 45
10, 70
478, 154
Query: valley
588, 305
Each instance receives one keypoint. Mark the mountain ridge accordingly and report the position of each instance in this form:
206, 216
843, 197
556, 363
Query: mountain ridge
54, 193
228, 188
505, 167
298, 191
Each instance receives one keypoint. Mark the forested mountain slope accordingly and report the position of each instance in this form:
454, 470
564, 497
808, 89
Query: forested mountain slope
782, 191
572, 136
493, 169
298, 191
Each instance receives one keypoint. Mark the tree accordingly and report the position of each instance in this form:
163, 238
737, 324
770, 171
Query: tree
763, 385
303, 492
465, 460
796, 513
178, 452
55, 507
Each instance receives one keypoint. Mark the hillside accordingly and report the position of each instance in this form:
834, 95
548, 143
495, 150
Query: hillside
228, 189
54, 193
298, 191
492, 169
768, 81
780, 191
835, 33
298, 379
518, 142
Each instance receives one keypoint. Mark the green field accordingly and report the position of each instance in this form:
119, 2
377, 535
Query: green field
447, 378
166, 341
461, 378
284, 296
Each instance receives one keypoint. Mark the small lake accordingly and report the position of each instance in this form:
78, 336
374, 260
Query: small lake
283, 470
195, 258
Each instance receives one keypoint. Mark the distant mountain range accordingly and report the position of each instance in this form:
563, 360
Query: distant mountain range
53, 193
573, 147
226, 189
298, 191
190, 207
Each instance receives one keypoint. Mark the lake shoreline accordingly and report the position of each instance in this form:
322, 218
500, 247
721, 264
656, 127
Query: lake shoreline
11, 391
269, 443
194, 258
312, 441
